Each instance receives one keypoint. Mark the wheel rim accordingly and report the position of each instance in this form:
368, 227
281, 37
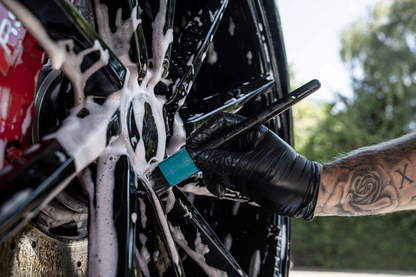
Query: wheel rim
241, 90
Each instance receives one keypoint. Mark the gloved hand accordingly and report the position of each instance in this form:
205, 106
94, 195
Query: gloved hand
261, 166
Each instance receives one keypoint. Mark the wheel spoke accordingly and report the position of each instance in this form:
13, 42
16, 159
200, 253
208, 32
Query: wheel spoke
195, 41
125, 215
154, 237
184, 218
117, 16
32, 181
140, 45
170, 18
264, 49
231, 102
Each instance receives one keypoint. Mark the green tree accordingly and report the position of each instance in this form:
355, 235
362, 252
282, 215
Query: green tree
380, 52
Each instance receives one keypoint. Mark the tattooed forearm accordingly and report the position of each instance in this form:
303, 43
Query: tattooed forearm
373, 180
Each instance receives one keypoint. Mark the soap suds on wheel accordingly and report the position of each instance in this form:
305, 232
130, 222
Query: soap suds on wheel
85, 139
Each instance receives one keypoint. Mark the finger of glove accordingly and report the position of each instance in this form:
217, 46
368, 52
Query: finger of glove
214, 127
224, 163
247, 188
213, 184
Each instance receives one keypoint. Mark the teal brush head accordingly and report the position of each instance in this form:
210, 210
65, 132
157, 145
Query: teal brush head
175, 169
178, 167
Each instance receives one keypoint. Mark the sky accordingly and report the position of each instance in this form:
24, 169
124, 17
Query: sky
312, 33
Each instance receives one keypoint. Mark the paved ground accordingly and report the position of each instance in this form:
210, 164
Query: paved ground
317, 273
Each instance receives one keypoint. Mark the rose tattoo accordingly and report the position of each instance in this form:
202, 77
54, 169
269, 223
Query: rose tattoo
365, 190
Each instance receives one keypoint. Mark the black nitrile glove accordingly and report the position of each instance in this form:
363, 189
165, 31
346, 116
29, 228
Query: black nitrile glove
261, 166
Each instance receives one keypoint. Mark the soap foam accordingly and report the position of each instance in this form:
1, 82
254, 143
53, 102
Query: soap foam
254, 264
5, 100
198, 255
103, 256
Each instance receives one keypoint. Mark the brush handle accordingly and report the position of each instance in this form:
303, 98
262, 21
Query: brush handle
260, 117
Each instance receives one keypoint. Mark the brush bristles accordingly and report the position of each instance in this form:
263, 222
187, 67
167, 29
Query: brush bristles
160, 185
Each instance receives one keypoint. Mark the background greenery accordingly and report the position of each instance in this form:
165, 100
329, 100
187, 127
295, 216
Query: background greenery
380, 51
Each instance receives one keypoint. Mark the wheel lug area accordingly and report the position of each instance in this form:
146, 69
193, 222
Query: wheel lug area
165, 68
142, 72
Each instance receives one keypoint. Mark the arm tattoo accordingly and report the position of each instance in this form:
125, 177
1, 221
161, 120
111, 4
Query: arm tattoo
373, 180
403, 174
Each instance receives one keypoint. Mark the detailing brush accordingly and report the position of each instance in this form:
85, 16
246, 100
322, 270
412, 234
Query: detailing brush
181, 165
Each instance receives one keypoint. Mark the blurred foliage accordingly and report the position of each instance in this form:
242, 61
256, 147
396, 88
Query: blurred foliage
380, 51
377, 242
307, 114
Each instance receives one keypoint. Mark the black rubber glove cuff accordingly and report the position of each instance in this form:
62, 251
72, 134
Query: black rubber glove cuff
309, 189
311, 196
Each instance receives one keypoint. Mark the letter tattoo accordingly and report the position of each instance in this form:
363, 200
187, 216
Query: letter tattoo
404, 177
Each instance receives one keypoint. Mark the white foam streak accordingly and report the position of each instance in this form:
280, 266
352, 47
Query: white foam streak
85, 138
102, 239
231, 27
169, 201
157, 111
164, 224
249, 57
15, 200
5, 100
197, 255
254, 264
144, 253
178, 138
212, 54
195, 189
28, 119
195, 116
160, 42
228, 241
56, 53
143, 264
187, 213
143, 217
72, 66
118, 41
236, 207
